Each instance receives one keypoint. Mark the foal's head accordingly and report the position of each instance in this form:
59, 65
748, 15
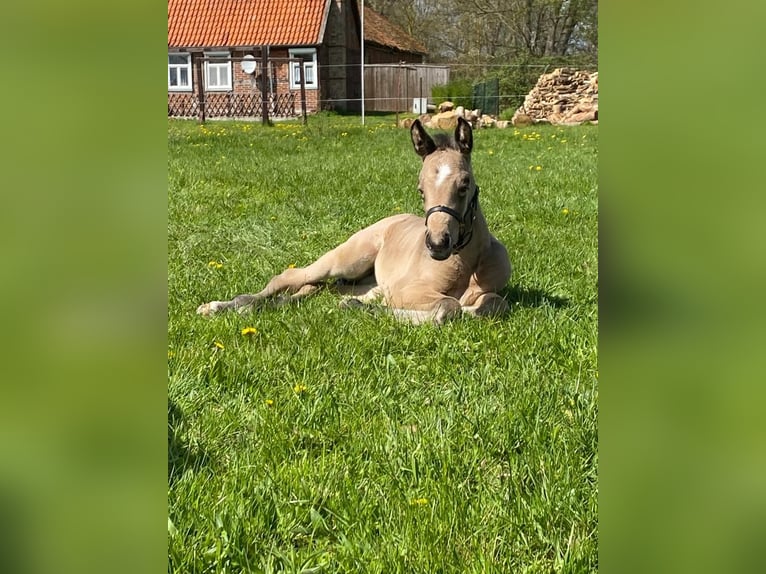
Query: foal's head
447, 187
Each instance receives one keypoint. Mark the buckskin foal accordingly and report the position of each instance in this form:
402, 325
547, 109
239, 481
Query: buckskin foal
423, 269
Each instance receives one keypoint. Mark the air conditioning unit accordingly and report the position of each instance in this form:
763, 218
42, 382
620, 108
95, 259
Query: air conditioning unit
419, 105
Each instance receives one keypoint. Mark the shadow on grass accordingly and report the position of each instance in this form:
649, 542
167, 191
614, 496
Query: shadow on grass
532, 297
181, 456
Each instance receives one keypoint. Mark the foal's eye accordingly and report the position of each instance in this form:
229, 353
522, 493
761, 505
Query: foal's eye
462, 191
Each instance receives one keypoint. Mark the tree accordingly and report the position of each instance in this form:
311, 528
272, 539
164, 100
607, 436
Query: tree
489, 30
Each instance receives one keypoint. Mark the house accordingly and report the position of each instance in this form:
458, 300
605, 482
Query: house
218, 51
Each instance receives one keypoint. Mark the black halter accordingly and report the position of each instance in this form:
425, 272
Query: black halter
465, 220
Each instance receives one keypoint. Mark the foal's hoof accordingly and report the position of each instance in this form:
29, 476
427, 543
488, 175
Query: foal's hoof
207, 309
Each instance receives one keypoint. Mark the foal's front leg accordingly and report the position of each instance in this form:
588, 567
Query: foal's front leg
350, 260
481, 298
247, 302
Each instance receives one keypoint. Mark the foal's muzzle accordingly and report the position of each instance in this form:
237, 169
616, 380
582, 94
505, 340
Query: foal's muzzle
439, 251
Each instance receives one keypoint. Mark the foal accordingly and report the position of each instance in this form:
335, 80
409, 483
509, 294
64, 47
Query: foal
430, 269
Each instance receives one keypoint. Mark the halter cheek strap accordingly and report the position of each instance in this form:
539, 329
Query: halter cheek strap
465, 220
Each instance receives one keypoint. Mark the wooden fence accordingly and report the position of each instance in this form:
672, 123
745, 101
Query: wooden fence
393, 87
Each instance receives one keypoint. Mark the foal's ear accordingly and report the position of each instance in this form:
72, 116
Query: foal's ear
464, 136
423, 143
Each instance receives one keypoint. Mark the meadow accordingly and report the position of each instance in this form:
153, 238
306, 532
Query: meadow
310, 438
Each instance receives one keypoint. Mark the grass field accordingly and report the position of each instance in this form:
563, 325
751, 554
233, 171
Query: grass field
330, 440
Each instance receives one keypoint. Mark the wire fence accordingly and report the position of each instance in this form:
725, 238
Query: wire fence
493, 88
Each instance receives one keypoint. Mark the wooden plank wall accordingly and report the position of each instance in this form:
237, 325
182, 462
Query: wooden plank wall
392, 87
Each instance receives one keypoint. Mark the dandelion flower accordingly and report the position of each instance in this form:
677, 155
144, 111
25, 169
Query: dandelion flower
215, 264
171, 354
219, 345
269, 402
538, 167
291, 266
565, 211
419, 502
299, 389
249, 331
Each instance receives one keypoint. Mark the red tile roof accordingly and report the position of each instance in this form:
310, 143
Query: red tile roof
222, 23
381, 31
219, 23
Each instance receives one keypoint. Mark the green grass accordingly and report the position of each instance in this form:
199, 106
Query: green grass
337, 441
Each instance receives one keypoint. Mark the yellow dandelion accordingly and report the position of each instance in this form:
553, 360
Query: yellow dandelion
249, 331
219, 345
344, 134
292, 265
171, 354
565, 211
538, 167
299, 389
269, 403
215, 264
491, 152
419, 502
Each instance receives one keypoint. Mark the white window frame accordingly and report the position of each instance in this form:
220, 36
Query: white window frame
178, 67
310, 68
216, 66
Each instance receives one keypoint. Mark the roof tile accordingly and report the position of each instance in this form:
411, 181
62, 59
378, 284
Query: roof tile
381, 31
218, 23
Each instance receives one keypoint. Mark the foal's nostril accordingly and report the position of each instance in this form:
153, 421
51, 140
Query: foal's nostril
445, 244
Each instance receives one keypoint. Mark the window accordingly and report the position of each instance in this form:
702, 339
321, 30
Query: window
179, 72
217, 71
309, 69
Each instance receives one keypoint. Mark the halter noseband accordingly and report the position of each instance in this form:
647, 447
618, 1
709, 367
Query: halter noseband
465, 220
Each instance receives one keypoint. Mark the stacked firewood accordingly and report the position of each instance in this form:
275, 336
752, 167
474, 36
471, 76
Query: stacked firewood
563, 97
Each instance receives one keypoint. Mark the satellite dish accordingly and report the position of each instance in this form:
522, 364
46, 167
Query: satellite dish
248, 64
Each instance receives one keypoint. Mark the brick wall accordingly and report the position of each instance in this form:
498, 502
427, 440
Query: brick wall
244, 99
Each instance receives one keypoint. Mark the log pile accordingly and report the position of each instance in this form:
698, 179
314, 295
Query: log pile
563, 97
